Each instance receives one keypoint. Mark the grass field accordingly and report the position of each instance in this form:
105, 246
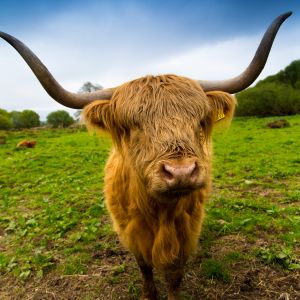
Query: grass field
56, 241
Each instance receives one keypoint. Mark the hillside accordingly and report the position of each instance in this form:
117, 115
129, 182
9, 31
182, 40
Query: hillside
278, 94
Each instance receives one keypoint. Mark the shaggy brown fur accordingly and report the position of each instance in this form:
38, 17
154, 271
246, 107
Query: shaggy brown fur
26, 144
154, 121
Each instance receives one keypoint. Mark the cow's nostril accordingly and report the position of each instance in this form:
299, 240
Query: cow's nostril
195, 172
166, 172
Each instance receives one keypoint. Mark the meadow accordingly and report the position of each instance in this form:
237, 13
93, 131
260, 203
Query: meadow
56, 239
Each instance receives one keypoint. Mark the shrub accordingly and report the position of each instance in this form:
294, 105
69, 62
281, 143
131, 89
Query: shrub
25, 119
269, 99
5, 122
59, 118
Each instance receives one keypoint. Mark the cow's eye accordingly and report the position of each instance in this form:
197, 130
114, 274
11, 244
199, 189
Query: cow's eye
127, 132
206, 122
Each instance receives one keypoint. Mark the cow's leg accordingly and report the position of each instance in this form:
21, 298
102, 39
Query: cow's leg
173, 279
149, 290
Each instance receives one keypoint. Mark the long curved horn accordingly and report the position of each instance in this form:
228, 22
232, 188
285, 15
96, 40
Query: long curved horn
52, 87
257, 64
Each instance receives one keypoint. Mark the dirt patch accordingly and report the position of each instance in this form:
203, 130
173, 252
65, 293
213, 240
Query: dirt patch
224, 245
250, 279
96, 284
281, 123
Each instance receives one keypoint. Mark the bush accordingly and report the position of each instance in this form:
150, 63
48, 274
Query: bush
278, 94
59, 118
25, 119
17, 121
269, 99
5, 122
30, 118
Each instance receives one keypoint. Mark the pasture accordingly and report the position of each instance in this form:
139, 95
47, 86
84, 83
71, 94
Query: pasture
56, 241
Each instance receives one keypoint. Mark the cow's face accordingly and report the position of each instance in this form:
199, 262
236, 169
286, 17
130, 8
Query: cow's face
162, 126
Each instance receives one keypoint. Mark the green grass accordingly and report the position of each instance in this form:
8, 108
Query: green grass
215, 269
51, 201
52, 215
257, 189
280, 256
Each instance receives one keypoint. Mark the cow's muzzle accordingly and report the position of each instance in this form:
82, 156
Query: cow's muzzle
181, 176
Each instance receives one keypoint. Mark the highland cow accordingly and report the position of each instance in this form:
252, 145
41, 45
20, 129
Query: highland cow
158, 176
26, 144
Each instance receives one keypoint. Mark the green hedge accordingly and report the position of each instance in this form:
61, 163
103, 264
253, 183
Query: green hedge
276, 95
269, 99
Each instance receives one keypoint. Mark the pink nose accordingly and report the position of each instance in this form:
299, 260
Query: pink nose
180, 175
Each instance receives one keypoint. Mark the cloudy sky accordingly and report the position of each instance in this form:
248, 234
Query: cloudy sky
109, 42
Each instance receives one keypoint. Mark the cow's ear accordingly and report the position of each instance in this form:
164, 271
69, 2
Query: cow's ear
222, 104
97, 115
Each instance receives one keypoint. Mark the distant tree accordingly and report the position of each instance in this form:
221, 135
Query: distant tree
87, 87
270, 99
5, 120
77, 114
4, 112
17, 119
30, 119
292, 72
59, 118
276, 95
25, 119
290, 76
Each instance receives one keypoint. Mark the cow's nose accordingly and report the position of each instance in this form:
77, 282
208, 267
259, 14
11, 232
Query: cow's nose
180, 176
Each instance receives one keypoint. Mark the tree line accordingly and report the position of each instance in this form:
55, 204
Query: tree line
30, 119
276, 95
